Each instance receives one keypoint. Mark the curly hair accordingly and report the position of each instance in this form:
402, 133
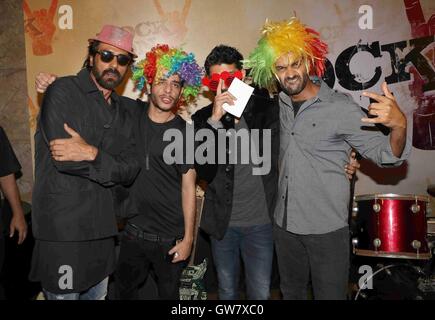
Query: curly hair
164, 61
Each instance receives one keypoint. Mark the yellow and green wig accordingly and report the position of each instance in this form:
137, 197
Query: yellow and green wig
280, 38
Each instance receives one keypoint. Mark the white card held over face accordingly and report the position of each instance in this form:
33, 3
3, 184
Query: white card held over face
242, 92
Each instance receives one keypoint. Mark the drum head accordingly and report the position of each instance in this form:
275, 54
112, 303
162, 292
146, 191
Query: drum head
401, 281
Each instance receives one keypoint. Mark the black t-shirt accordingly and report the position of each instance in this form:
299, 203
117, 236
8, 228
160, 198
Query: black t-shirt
296, 106
157, 189
8, 164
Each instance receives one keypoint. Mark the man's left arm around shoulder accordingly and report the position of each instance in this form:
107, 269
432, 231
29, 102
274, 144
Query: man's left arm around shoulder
182, 250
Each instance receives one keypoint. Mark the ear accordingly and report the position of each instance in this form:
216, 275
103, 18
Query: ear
243, 74
91, 60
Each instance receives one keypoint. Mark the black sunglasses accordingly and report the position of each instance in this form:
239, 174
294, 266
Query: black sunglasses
107, 56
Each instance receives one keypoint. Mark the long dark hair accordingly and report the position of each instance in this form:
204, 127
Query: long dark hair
92, 51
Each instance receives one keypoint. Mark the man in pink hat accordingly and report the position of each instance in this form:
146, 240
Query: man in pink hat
84, 149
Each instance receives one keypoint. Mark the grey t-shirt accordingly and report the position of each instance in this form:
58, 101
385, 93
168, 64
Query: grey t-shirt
249, 199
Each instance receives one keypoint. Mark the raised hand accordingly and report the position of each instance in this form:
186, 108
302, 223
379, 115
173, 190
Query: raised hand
219, 100
386, 110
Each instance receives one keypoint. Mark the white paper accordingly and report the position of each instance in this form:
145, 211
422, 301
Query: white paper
242, 92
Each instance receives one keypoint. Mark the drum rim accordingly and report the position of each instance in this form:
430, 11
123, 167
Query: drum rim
390, 254
391, 196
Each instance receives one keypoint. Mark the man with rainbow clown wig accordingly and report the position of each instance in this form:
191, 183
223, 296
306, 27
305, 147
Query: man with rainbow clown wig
160, 217
164, 62
318, 127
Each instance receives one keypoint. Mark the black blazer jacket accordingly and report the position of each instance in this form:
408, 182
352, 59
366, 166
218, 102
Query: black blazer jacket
73, 201
260, 113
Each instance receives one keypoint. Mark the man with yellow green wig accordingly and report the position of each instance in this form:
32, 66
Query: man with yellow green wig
318, 127
159, 230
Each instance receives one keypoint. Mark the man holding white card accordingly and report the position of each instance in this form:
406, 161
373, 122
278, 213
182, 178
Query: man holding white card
238, 203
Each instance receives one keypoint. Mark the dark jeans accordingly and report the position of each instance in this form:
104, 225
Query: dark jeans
323, 256
255, 246
136, 258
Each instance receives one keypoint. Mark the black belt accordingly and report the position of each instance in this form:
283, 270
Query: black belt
137, 232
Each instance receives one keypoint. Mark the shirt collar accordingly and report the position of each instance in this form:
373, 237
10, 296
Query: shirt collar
325, 92
285, 99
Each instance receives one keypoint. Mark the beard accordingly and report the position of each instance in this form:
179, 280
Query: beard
107, 83
295, 88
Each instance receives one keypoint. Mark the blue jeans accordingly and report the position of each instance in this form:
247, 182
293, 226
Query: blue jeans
255, 245
97, 292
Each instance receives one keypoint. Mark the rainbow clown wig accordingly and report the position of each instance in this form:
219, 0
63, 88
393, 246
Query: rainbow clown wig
162, 62
280, 38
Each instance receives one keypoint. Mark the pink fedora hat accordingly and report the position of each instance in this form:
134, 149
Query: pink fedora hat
117, 37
